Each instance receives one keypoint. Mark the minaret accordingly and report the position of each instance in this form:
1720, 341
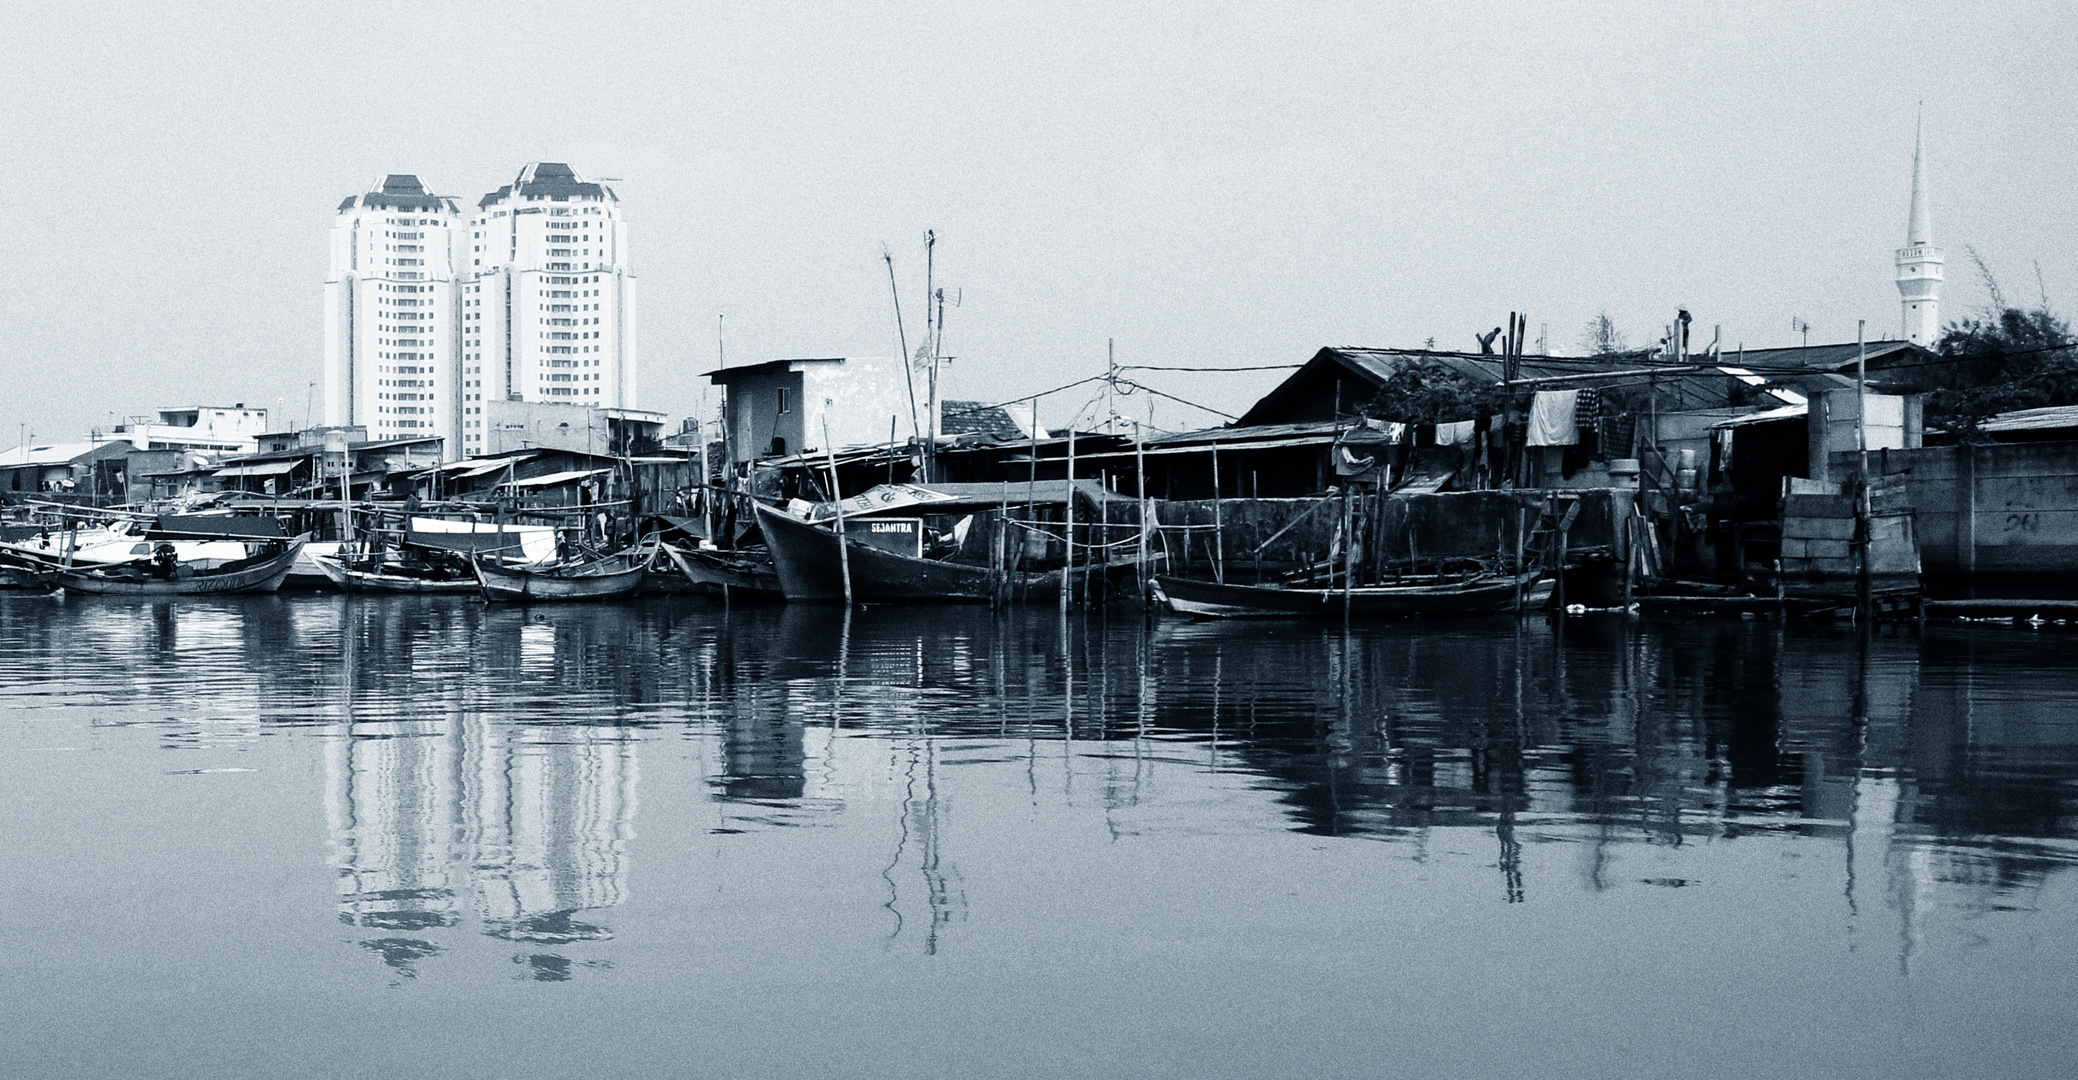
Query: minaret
1919, 261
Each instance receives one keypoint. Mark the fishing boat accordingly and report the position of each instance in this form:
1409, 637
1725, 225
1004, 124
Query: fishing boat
811, 565
163, 574
735, 575
1488, 594
597, 579
389, 577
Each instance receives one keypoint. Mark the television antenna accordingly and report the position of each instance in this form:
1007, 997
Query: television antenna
1799, 326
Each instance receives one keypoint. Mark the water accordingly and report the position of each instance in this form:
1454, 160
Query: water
302, 835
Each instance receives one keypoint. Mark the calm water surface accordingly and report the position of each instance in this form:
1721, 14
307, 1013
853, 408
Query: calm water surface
308, 836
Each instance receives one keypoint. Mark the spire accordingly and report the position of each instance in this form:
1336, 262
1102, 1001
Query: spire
1921, 228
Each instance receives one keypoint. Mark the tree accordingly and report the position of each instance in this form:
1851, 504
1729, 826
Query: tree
1601, 337
2010, 359
1427, 392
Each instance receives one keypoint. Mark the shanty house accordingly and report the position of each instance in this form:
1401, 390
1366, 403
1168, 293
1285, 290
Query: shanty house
786, 407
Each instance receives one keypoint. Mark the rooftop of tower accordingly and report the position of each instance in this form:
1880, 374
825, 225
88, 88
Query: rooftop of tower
551, 180
400, 191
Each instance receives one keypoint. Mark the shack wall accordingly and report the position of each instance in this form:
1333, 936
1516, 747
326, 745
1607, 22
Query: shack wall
1993, 519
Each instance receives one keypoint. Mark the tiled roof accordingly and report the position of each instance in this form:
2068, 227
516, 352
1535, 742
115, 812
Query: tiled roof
401, 191
979, 418
548, 179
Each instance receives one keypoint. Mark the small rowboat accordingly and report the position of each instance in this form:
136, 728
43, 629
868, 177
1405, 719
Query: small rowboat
731, 575
260, 573
600, 579
1483, 595
354, 579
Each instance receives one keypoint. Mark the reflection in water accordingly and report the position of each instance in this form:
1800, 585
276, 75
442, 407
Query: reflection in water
481, 763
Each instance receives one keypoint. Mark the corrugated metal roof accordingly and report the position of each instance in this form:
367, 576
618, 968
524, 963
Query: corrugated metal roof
46, 454
260, 468
2043, 419
1786, 412
553, 479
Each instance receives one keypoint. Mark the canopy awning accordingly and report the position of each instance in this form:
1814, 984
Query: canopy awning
556, 479
262, 468
1787, 412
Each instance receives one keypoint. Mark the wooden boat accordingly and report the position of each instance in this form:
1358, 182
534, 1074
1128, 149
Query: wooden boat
1484, 595
152, 577
388, 580
599, 579
734, 575
806, 560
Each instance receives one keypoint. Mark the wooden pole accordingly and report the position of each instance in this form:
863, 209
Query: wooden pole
1519, 514
1219, 541
1348, 547
837, 504
1068, 532
1863, 503
1140, 471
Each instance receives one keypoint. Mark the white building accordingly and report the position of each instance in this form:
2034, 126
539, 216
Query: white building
391, 333
548, 307
232, 429
1919, 261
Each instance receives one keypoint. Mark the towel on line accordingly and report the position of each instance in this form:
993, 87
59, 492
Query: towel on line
1552, 418
1453, 434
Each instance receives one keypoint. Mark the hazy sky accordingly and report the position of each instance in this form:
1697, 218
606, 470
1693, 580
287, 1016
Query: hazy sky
1216, 184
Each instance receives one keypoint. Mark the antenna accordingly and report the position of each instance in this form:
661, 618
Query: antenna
1799, 326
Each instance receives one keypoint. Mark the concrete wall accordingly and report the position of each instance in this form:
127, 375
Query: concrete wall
754, 416
862, 398
2023, 517
524, 425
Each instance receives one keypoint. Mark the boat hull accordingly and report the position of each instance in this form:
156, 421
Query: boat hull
352, 580
1486, 596
810, 568
731, 576
514, 584
265, 576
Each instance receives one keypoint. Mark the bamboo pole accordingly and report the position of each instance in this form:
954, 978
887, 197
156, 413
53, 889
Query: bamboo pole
837, 503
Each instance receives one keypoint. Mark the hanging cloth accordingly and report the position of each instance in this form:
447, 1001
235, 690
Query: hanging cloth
1453, 434
1552, 418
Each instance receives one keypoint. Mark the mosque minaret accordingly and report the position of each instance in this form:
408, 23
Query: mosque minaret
1919, 261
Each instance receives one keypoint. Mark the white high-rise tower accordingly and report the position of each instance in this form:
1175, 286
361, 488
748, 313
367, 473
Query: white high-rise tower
1919, 261
548, 310
391, 333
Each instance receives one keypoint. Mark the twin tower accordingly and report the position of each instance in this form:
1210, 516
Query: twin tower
429, 312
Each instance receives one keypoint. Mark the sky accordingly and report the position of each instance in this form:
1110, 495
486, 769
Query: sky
1217, 185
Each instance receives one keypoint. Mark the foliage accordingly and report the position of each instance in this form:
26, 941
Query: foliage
1601, 337
2015, 359
1427, 392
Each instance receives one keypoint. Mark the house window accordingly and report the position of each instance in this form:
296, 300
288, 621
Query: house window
782, 400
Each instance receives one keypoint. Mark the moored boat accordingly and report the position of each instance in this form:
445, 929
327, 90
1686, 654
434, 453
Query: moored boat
735, 575
387, 579
599, 579
811, 565
163, 575
1490, 594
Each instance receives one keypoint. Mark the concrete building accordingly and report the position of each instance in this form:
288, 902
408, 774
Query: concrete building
784, 407
391, 333
1919, 261
79, 468
230, 429
510, 426
548, 311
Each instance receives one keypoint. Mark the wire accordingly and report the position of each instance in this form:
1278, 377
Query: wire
1250, 367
